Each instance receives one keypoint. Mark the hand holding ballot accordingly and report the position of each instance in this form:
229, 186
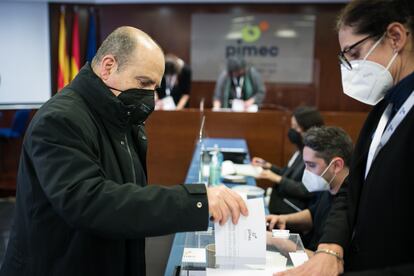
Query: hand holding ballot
278, 221
223, 203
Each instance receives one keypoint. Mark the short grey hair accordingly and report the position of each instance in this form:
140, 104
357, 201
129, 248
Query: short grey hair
121, 43
329, 142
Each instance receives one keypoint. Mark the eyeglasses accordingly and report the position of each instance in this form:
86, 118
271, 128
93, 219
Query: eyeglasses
342, 58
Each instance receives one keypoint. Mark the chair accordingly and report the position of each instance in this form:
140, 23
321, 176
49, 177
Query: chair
18, 125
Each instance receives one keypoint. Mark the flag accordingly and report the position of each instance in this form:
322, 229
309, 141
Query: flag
91, 46
75, 57
63, 62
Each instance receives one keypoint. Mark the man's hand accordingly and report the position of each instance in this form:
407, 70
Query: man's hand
257, 161
268, 174
249, 102
224, 202
319, 265
276, 220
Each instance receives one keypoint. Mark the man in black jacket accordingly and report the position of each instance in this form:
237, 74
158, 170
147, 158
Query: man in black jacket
83, 206
327, 154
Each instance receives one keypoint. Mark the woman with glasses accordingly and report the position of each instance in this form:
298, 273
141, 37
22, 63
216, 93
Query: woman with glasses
369, 231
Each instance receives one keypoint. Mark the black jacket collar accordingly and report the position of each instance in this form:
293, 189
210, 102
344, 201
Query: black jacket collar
400, 92
99, 98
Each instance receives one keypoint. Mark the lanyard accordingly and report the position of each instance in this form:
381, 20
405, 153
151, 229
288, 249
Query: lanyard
238, 85
381, 137
293, 159
169, 83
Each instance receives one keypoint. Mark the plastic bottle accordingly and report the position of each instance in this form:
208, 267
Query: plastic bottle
215, 169
219, 155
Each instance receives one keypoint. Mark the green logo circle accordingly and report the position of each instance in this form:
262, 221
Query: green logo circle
251, 33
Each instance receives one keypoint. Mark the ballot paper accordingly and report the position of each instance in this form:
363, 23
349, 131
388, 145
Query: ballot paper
244, 244
253, 108
237, 105
168, 103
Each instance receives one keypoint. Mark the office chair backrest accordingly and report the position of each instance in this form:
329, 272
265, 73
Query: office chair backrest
20, 120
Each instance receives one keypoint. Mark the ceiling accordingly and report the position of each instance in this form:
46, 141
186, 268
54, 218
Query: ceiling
179, 1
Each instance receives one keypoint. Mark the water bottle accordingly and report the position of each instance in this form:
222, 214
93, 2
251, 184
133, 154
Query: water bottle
219, 156
215, 169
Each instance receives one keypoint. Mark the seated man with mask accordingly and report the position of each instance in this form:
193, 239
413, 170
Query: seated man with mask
288, 194
327, 155
240, 87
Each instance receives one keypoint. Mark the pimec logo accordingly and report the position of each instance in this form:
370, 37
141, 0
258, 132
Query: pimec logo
251, 34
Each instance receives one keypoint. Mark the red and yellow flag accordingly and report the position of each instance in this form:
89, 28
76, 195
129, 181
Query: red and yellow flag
75, 58
63, 62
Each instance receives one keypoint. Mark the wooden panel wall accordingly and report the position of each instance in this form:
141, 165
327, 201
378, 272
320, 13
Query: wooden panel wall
173, 136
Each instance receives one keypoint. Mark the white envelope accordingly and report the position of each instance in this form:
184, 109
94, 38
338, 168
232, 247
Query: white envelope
244, 243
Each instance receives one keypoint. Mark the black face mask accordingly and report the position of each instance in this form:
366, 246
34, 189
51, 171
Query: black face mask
141, 102
295, 138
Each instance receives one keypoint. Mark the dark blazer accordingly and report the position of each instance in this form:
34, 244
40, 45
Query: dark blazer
290, 188
182, 86
373, 223
83, 206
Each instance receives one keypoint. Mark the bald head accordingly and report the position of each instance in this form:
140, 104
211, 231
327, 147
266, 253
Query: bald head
122, 44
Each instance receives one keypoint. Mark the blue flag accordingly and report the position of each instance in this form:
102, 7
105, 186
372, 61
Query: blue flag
91, 46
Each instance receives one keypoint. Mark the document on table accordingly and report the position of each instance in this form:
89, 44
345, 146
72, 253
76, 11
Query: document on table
229, 168
245, 243
248, 170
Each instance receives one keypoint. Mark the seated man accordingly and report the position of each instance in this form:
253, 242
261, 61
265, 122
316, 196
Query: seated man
238, 83
327, 155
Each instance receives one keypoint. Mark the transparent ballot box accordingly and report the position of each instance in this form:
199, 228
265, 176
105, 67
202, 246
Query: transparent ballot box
282, 253
198, 246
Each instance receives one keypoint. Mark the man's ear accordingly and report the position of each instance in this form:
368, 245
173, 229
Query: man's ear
108, 66
338, 164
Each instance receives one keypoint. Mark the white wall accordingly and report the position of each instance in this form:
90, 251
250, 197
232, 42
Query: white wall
24, 53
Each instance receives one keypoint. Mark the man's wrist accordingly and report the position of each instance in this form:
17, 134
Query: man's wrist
278, 178
330, 252
332, 249
332, 246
